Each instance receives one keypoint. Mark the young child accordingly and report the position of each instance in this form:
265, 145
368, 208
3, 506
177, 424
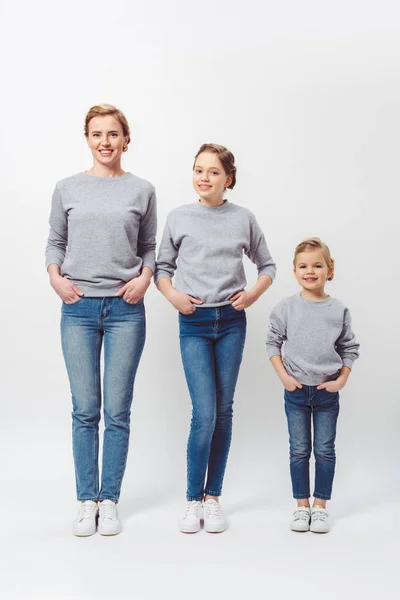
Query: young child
319, 351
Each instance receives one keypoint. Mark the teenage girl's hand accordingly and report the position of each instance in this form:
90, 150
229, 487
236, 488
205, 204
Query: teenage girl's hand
67, 291
135, 289
183, 302
332, 386
242, 300
290, 383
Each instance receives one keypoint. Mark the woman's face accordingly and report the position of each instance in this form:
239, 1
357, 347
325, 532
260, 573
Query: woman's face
106, 140
209, 177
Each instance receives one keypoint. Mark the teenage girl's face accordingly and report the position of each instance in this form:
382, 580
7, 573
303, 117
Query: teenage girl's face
311, 270
106, 140
209, 177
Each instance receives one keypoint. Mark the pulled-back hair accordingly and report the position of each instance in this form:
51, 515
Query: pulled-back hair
311, 244
108, 109
225, 156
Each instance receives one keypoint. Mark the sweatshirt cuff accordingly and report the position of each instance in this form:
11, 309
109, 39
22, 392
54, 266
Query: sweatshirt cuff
273, 351
160, 275
54, 260
267, 271
347, 362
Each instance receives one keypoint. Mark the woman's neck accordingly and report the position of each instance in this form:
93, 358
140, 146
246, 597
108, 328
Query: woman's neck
104, 171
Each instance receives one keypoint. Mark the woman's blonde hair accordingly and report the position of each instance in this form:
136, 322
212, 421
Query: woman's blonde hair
108, 109
316, 244
225, 156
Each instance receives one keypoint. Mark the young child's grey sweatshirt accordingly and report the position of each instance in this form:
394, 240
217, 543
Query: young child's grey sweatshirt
317, 338
206, 246
102, 231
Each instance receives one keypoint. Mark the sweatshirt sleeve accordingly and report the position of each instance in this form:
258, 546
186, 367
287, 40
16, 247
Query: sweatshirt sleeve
167, 255
58, 236
147, 235
277, 331
346, 344
258, 251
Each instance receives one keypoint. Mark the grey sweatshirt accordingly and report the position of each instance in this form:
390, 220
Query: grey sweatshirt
102, 231
317, 338
206, 246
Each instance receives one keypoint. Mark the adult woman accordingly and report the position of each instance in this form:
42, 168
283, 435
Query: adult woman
100, 257
208, 238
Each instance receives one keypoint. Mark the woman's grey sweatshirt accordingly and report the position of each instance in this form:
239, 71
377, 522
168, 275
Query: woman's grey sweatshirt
206, 245
317, 338
102, 231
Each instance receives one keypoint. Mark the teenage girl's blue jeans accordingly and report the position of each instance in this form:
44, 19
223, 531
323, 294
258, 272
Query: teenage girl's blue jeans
322, 408
212, 341
85, 326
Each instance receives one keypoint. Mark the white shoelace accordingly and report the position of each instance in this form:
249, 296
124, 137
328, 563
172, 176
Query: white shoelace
192, 509
300, 513
87, 510
213, 509
319, 515
108, 510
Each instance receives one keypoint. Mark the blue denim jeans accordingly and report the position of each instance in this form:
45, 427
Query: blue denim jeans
322, 408
85, 326
212, 342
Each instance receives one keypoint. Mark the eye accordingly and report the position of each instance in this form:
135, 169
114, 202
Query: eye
302, 266
197, 171
114, 135
96, 134
214, 173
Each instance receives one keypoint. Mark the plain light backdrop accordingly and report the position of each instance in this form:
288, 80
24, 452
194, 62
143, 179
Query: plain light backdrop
306, 95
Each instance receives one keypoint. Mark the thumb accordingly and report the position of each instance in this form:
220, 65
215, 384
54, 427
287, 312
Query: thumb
195, 300
122, 291
236, 296
298, 385
77, 290
322, 386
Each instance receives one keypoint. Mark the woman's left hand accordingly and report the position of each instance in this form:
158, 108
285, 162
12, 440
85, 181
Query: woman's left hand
242, 300
134, 290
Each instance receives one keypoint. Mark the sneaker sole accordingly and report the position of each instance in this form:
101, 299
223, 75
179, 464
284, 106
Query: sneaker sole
299, 530
84, 534
214, 529
108, 533
184, 529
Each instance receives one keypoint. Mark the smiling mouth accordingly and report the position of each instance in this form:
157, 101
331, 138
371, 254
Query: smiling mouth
106, 152
310, 279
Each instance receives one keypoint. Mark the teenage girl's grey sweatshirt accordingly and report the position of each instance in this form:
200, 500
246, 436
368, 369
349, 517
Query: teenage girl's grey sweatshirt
206, 245
102, 231
317, 338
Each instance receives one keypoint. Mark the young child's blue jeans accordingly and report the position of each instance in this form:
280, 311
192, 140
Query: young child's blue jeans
303, 406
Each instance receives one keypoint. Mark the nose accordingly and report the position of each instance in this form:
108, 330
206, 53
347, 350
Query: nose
105, 141
204, 177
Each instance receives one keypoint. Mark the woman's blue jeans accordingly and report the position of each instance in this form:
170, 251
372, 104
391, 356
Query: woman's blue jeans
212, 342
303, 406
85, 326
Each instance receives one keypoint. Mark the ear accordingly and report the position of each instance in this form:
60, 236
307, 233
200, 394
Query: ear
125, 147
228, 181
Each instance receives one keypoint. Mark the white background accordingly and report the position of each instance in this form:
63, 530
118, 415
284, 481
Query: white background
306, 95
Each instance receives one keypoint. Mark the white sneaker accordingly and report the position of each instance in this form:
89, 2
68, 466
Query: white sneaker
301, 519
319, 520
190, 520
85, 522
108, 518
214, 521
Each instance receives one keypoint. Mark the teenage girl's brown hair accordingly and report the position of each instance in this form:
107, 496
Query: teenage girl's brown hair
311, 244
226, 158
108, 109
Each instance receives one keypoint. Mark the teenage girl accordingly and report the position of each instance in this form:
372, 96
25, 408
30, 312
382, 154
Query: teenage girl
204, 242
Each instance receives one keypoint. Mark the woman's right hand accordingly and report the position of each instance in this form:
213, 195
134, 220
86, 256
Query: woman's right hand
290, 383
67, 291
183, 302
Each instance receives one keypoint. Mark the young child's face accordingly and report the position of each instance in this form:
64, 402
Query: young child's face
209, 177
311, 270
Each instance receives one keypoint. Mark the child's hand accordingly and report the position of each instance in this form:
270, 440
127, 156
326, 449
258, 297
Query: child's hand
332, 386
290, 383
